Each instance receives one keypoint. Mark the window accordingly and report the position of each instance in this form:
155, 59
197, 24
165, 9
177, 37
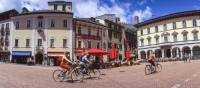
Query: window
98, 45
142, 42
52, 22
157, 40
165, 27
195, 36
16, 42
185, 37
40, 23
52, 43
156, 29
64, 43
64, 6
64, 23
79, 44
98, 33
165, 39
79, 30
39, 42
184, 24
89, 32
149, 41
194, 22
174, 25
27, 43
89, 44
28, 24
7, 26
104, 34
17, 24
141, 32
175, 38
104, 45
55, 7
148, 30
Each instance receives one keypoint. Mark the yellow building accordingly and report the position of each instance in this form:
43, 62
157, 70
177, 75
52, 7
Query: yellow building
172, 36
44, 33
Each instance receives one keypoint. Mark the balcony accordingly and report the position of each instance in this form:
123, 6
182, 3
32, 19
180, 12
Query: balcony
86, 36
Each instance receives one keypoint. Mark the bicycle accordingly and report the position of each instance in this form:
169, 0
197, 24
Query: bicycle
149, 68
59, 75
91, 70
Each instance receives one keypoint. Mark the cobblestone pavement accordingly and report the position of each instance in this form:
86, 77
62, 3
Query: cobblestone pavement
173, 75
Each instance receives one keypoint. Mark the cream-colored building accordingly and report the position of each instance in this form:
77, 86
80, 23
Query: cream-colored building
44, 33
174, 35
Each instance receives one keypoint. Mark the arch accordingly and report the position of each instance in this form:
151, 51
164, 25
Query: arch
196, 51
186, 50
39, 56
148, 53
176, 53
143, 54
158, 53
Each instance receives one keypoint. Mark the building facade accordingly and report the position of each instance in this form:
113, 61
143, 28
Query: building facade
89, 34
43, 35
6, 27
172, 36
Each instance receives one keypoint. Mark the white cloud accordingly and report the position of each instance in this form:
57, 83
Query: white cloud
143, 14
92, 8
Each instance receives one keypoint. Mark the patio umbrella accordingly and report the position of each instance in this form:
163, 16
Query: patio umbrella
113, 53
97, 51
128, 56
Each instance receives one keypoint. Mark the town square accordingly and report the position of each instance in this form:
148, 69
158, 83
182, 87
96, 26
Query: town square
99, 43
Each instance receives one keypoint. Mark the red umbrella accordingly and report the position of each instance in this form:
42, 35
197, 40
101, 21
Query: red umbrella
128, 56
96, 51
113, 53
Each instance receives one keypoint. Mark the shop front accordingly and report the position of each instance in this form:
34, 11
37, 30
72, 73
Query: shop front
21, 57
53, 58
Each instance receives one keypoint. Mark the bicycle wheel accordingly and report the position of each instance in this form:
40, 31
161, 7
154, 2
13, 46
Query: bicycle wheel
77, 75
58, 75
148, 70
95, 73
159, 67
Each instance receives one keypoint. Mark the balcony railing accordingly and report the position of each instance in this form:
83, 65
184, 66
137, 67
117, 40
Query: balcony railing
86, 36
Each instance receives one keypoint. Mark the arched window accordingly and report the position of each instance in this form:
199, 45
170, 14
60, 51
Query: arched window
184, 24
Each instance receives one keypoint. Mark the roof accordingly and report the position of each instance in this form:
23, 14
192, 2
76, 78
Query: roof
59, 2
45, 11
89, 20
7, 14
170, 16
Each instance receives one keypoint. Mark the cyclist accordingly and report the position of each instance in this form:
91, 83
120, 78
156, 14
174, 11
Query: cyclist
65, 63
84, 62
151, 59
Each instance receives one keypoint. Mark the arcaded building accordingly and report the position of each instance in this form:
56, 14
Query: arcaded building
172, 36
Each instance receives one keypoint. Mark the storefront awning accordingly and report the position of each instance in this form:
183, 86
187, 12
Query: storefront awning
16, 53
56, 54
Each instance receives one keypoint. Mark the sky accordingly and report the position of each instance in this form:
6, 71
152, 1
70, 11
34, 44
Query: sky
125, 9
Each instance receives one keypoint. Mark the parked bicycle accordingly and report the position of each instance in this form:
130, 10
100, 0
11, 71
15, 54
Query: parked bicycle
60, 75
149, 68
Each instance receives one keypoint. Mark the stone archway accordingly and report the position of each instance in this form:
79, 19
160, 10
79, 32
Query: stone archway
39, 56
186, 50
176, 52
158, 53
143, 54
196, 52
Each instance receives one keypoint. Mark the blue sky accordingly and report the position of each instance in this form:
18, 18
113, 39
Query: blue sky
125, 9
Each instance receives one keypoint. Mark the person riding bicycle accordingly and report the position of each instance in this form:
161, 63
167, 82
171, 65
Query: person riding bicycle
66, 62
151, 59
84, 62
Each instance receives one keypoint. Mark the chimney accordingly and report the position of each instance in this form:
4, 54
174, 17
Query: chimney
136, 20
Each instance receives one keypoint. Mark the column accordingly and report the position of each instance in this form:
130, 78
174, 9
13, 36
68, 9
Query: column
163, 53
139, 55
146, 54
45, 41
171, 53
177, 53
181, 53
191, 53
33, 37
12, 28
